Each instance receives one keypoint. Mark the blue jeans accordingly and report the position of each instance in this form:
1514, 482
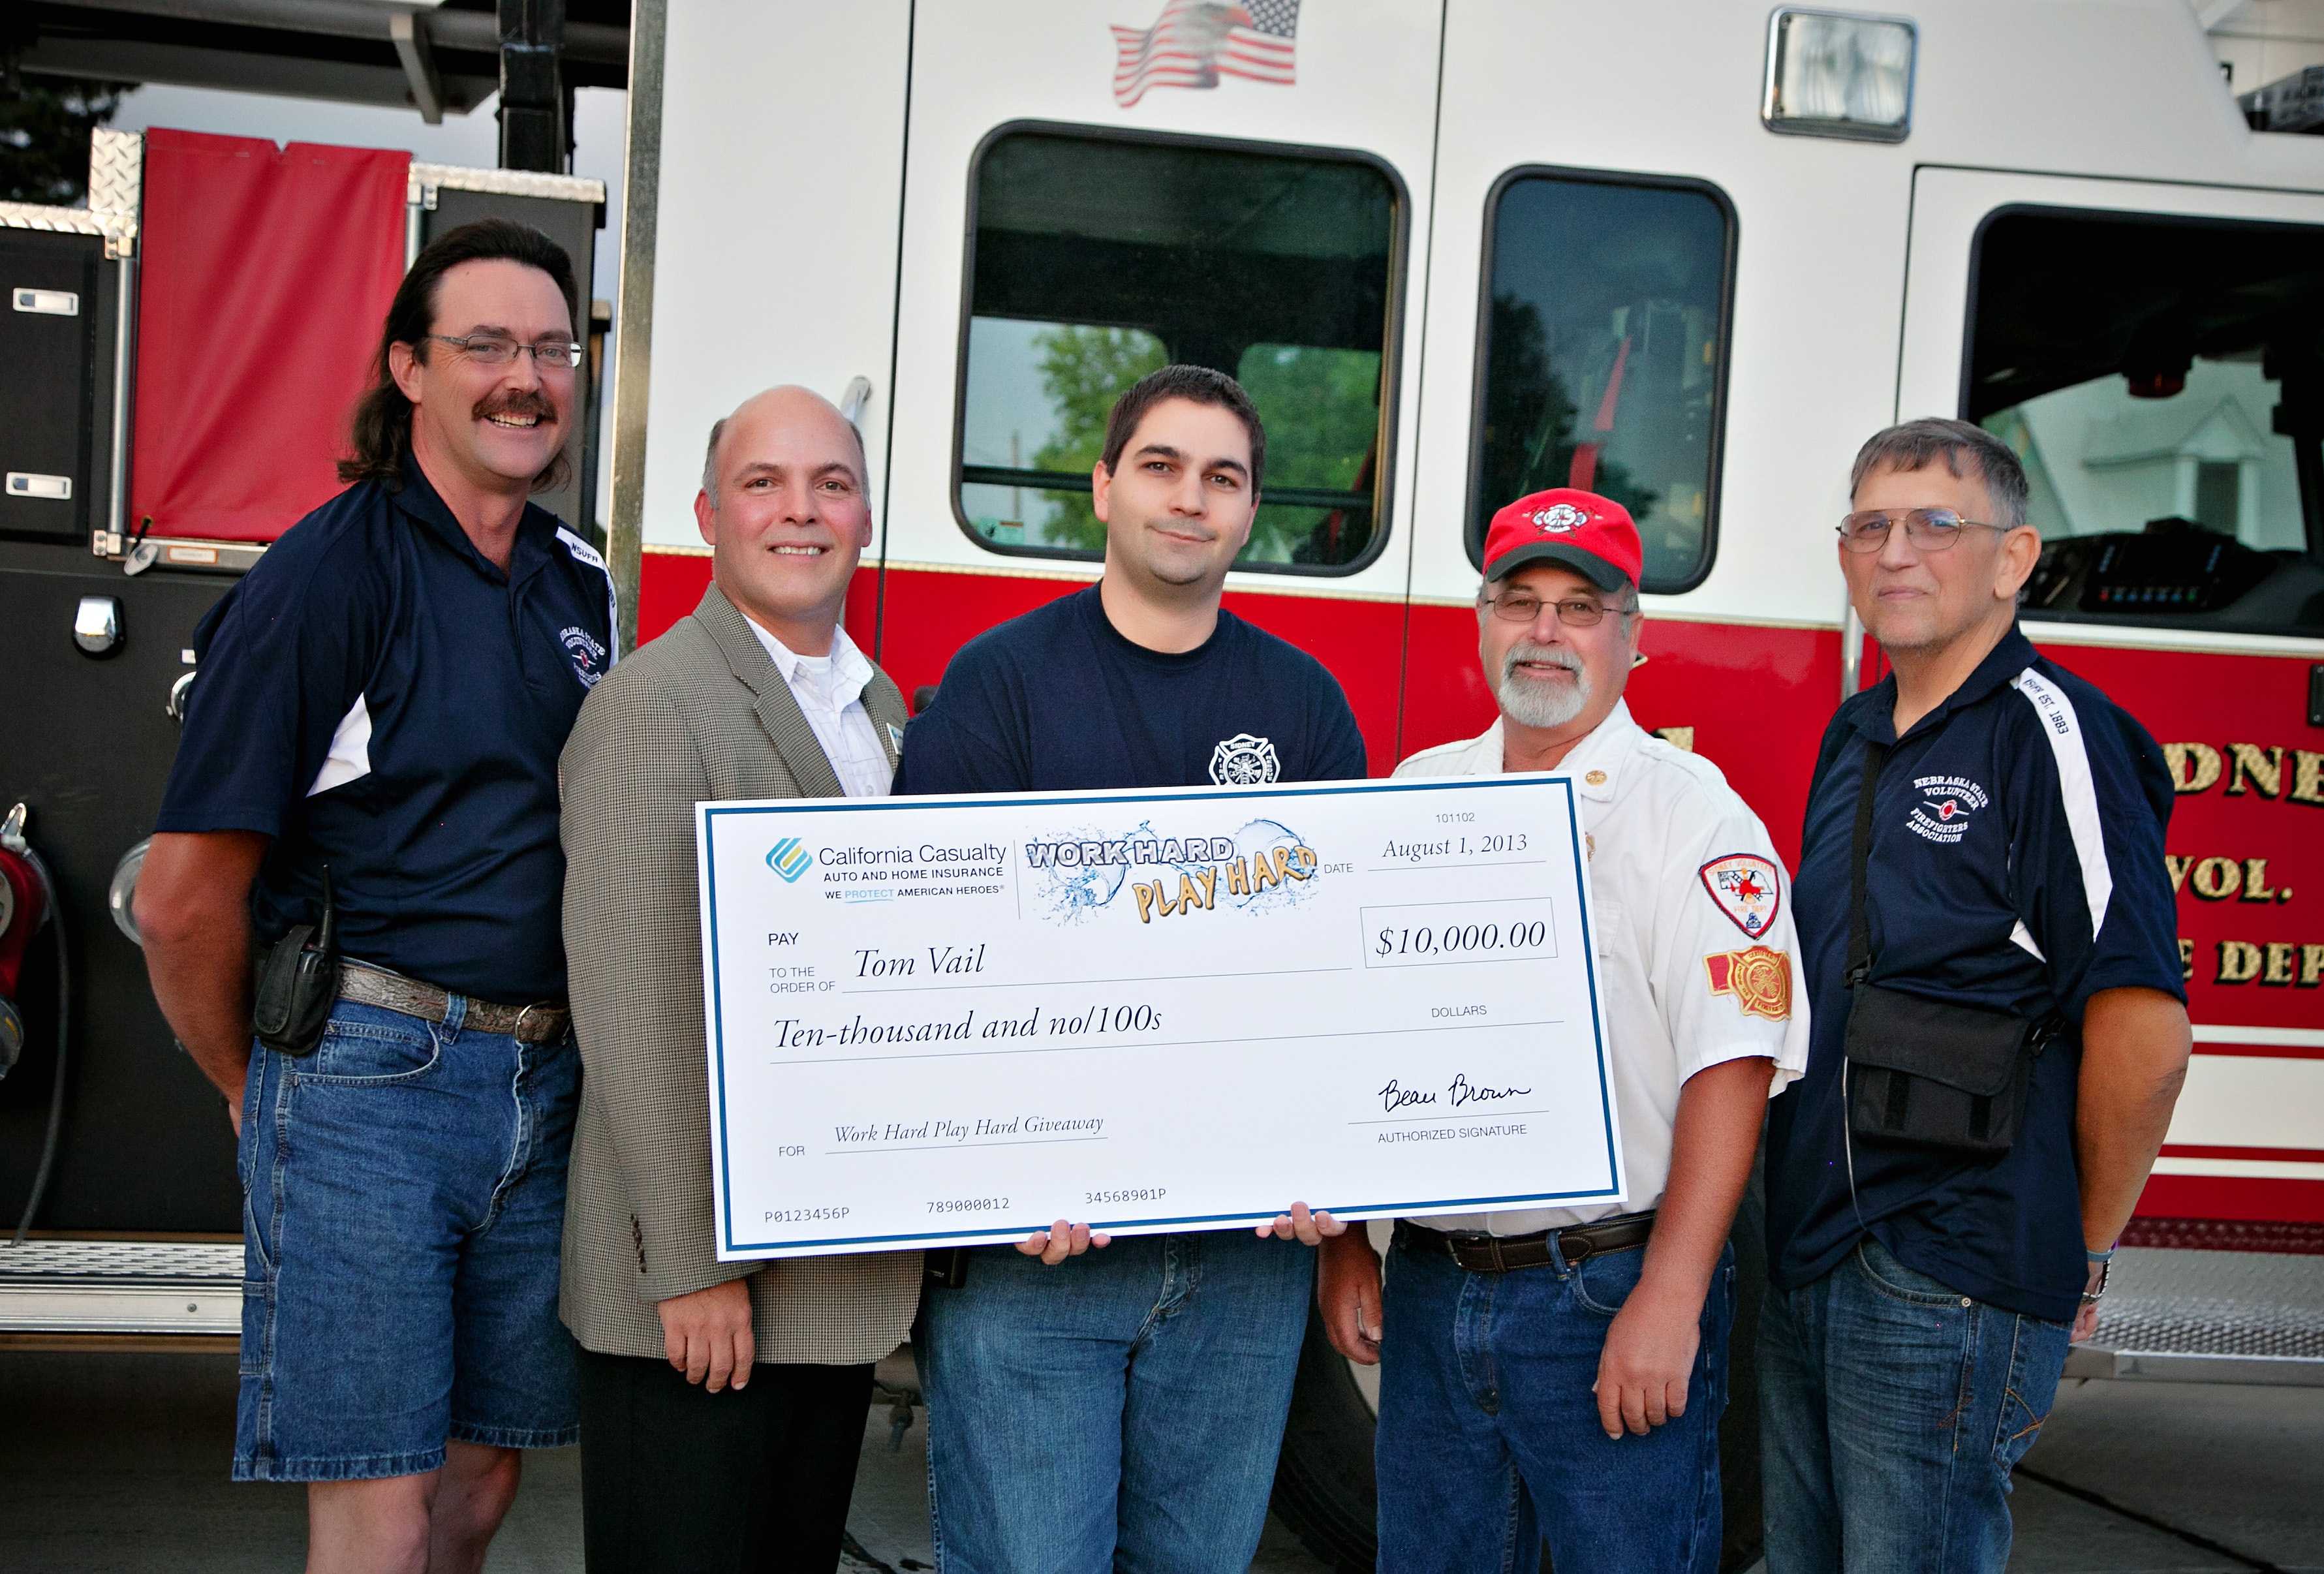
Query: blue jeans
404, 1196
1891, 1412
1121, 1410
1490, 1441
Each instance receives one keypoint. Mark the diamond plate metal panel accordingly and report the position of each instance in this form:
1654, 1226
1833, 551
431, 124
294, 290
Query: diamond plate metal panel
500, 182
121, 1259
78, 221
2214, 1303
116, 186
116, 170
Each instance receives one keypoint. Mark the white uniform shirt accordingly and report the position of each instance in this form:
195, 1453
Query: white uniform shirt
1682, 883
830, 693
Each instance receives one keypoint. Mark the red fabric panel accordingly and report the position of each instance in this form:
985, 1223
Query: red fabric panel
265, 277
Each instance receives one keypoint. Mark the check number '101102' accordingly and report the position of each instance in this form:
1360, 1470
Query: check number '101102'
1433, 933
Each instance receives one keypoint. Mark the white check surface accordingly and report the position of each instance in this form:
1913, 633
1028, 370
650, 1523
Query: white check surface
942, 1021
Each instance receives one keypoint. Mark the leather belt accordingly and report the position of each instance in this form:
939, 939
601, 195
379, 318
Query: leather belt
544, 1022
1501, 1253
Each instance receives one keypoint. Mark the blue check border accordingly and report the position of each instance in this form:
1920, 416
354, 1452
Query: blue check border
713, 814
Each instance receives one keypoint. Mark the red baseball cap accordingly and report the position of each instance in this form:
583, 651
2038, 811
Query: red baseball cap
1591, 535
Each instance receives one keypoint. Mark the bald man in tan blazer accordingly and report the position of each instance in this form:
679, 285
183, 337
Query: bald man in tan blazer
722, 1403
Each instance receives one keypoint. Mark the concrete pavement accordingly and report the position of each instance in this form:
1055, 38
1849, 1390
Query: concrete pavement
116, 1464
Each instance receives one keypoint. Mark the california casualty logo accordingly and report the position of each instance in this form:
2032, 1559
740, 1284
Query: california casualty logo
1946, 803
788, 859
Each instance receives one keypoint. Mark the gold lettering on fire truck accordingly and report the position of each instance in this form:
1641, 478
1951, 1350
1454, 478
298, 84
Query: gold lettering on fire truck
2274, 963
2215, 880
2267, 770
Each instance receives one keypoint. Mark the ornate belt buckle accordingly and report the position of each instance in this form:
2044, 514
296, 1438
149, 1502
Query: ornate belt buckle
516, 1029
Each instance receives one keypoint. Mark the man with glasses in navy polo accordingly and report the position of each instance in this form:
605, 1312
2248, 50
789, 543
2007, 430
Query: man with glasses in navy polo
374, 736
1999, 1034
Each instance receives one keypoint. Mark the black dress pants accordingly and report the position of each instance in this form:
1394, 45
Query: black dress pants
678, 1481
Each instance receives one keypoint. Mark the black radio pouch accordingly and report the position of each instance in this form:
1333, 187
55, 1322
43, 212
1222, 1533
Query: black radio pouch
297, 984
1930, 1072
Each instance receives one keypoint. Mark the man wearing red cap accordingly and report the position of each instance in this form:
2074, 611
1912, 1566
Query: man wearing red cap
1559, 1373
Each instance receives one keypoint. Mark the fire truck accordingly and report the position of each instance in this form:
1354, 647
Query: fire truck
1687, 253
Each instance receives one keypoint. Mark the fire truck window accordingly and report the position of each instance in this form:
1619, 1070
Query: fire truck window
1605, 354
2159, 378
1096, 260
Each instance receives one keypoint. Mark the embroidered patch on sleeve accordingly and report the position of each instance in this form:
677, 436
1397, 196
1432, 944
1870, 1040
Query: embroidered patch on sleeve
1759, 979
1745, 885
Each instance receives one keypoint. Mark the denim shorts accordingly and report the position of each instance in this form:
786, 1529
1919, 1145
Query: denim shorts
404, 1196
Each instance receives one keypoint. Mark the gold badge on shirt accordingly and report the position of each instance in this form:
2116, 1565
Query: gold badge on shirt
1759, 979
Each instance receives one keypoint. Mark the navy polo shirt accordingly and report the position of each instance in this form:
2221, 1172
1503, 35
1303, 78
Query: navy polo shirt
376, 694
2016, 864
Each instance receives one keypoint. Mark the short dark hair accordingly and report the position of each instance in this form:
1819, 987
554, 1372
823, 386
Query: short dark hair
1918, 444
1199, 384
378, 431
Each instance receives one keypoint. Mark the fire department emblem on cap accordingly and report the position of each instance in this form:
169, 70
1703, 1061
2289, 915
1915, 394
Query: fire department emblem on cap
1243, 760
1560, 517
1759, 979
1744, 886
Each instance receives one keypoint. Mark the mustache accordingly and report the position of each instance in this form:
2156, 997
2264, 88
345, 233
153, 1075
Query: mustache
517, 401
1525, 651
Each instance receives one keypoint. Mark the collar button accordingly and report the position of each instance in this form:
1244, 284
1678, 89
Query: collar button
1596, 778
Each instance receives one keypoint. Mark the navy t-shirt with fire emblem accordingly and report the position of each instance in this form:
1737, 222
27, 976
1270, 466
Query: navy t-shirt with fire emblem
378, 697
1057, 700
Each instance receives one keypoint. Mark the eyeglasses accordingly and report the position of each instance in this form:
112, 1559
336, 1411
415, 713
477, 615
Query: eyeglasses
493, 350
1932, 529
1523, 607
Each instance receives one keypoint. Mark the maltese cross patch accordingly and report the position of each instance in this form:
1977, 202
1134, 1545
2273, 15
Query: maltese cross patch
1243, 760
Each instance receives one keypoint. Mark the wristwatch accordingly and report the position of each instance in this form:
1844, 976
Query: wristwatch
2101, 1269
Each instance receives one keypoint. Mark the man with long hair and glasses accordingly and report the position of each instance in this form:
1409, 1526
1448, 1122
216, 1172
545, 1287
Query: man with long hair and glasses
1557, 1375
368, 778
1999, 1034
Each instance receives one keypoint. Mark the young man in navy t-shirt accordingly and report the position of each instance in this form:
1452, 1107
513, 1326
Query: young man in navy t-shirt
1085, 1405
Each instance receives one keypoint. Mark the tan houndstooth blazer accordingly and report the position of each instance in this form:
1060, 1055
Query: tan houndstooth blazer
701, 712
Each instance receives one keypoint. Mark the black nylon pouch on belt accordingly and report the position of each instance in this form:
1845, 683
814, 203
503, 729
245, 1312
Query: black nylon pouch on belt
297, 984
1928, 1072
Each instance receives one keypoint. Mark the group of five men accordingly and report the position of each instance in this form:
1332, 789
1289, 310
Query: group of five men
408, 713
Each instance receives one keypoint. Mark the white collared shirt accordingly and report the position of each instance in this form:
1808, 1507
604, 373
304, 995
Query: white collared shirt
830, 693
1683, 882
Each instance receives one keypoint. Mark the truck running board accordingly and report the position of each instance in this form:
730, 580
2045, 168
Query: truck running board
2209, 1317
121, 1287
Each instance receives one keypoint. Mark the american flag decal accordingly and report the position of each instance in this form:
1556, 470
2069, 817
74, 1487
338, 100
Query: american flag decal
1195, 43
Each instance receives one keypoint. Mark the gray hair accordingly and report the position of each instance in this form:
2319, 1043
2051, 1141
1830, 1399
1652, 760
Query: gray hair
710, 464
1918, 444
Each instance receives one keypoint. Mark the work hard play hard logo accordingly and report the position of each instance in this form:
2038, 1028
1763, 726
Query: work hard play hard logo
1744, 887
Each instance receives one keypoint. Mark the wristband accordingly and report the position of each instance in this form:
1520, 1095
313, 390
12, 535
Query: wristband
2105, 1256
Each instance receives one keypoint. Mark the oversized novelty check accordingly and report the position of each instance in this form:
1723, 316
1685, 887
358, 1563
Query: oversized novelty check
941, 1021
